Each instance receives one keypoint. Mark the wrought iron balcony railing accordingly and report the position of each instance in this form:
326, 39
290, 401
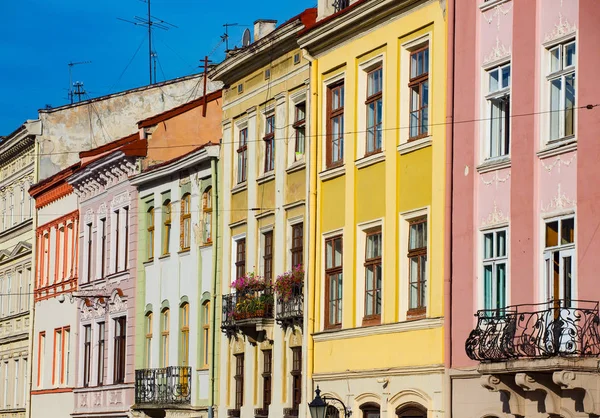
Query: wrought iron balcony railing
164, 386
290, 309
340, 4
551, 329
247, 304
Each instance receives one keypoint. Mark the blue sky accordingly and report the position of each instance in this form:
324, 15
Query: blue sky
38, 38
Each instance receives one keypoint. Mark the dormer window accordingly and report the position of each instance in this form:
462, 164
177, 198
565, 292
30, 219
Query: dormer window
340, 4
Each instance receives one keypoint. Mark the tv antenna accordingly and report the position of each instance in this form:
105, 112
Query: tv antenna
79, 91
226, 36
150, 22
71, 65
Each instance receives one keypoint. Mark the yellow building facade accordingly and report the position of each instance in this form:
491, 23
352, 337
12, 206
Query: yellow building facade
263, 196
376, 266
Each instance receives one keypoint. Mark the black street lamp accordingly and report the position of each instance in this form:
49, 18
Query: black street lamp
318, 406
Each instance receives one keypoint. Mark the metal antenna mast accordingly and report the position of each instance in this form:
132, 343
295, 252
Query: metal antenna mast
150, 21
226, 36
71, 65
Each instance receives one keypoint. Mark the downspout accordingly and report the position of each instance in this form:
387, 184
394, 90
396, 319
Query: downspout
448, 264
213, 325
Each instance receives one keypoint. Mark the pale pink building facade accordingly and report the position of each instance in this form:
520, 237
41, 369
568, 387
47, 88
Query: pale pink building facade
524, 212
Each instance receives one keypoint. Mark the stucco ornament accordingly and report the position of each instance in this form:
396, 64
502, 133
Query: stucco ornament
558, 202
496, 179
498, 52
89, 216
118, 304
83, 400
114, 397
558, 162
97, 399
562, 28
495, 217
497, 12
121, 199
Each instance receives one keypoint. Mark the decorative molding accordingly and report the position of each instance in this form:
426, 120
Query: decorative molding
497, 12
558, 162
53, 195
496, 179
498, 52
332, 173
561, 29
117, 304
122, 199
415, 145
558, 202
370, 160
495, 217
89, 216
340, 334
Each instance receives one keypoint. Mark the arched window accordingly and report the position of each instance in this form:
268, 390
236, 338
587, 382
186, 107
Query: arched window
370, 410
207, 214
166, 239
185, 334
332, 412
150, 237
148, 351
205, 332
164, 338
186, 221
411, 410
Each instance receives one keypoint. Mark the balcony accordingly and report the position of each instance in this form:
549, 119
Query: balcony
339, 5
163, 386
290, 307
249, 311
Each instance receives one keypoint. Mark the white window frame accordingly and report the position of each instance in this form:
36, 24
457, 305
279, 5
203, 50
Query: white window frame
493, 261
296, 99
362, 229
493, 96
363, 70
566, 250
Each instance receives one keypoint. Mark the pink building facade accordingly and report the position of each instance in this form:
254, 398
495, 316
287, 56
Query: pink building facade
524, 337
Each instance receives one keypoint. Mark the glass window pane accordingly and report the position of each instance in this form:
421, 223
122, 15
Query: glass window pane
501, 244
500, 285
426, 61
494, 80
414, 123
423, 280
567, 231
425, 93
487, 287
570, 54
551, 234
413, 66
555, 59
488, 245
414, 291
370, 115
567, 278
505, 76
338, 252
414, 269
495, 125
424, 120
329, 255
569, 104
555, 93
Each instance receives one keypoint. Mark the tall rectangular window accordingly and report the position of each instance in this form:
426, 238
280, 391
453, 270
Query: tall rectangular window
16, 387
495, 258
333, 282
205, 333
57, 364
269, 139
240, 257
207, 215
101, 346
166, 238
87, 354
186, 221
417, 271
165, 326
373, 277
418, 86
126, 236
559, 260
267, 377
185, 334
242, 152
561, 77
119, 347
116, 238
268, 256
239, 380
41, 354
374, 105
103, 248
148, 353
300, 129
335, 125
6, 402
150, 234
25, 384
64, 376
296, 377
9, 297
498, 101
297, 244
89, 251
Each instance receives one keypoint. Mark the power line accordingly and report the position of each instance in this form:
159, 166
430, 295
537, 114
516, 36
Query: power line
127, 66
257, 209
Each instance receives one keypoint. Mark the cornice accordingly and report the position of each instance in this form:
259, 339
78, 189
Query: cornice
19, 144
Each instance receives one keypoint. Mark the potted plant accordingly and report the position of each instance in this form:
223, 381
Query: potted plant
289, 284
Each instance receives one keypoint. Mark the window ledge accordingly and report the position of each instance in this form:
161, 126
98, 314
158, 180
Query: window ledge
264, 214
165, 256
490, 4
148, 262
206, 244
558, 147
117, 274
492, 164
183, 252
239, 187
370, 160
266, 177
415, 145
405, 326
332, 173
297, 166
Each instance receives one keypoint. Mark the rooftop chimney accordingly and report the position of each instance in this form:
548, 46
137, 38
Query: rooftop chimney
262, 27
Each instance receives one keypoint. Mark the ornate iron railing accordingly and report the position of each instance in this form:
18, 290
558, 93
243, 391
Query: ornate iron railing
247, 304
289, 310
551, 329
164, 386
340, 4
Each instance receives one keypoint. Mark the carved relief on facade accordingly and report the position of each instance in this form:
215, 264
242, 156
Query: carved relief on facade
561, 29
122, 199
559, 202
560, 161
117, 304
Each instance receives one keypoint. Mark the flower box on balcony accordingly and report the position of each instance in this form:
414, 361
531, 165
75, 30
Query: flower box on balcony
289, 287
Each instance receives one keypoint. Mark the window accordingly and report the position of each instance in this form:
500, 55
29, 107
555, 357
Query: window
370, 410
239, 380
296, 377
267, 376
186, 222
296, 58
64, 376
116, 239
41, 355
562, 90
242, 152
412, 410
339, 5
373, 277
9, 309
240, 88
57, 358
333, 282
269, 139
240, 257
101, 345
495, 269
335, 125
89, 251
268, 256
205, 333
419, 92
559, 259
150, 243
5, 403
166, 239
417, 260
126, 235
267, 74
185, 334
87, 354
103, 247
22, 205
297, 244
25, 382
16, 384
207, 214
300, 129
148, 350
498, 102
119, 354
164, 338
374, 105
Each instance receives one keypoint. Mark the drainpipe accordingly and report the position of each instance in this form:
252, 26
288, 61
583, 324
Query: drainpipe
213, 325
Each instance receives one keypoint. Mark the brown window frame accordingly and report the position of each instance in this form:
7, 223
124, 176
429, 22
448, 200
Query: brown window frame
165, 331
103, 248
117, 215
299, 129
243, 154
166, 238
297, 250
150, 237
373, 99
337, 271
240, 257
269, 139
185, 334
373, 262
419, 252
119, 350
267, 376
149, 324
333, 114
87, 355
185, 222
101, 348
417, 82
268, 256
205, 334
296, 373
370, 408
89, 252
126, 256
207, 213
411, 410
239, 380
